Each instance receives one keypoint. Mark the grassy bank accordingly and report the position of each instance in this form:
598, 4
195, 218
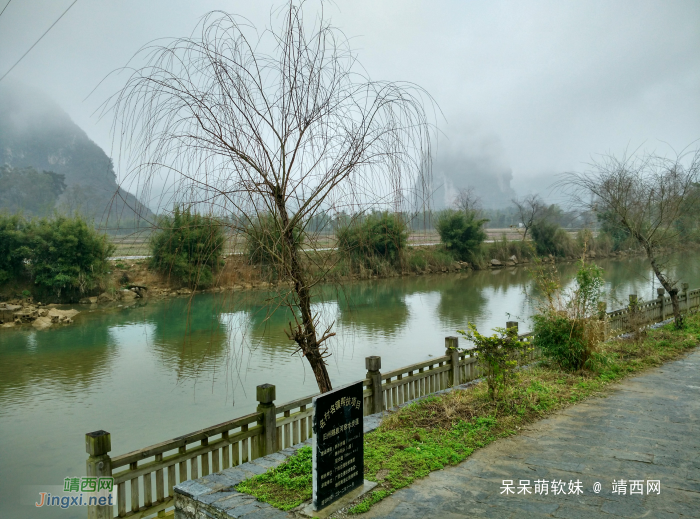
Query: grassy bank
444, 430
238, 273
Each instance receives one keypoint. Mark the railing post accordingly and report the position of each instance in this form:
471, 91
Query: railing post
99, 465
451, 349
660, 297
266, 396
602, 315
373, 365
633, 303
684, 287
632, 317
602, 309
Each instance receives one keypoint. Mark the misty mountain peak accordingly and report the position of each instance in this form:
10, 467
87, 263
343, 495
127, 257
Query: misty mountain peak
35, 132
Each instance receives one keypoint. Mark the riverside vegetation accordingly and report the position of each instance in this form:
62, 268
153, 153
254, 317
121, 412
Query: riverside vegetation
63, 259
188, 247
53, 259
440, 430
368, 247
60, 257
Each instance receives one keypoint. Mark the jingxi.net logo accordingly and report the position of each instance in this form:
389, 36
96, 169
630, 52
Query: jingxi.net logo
85, 491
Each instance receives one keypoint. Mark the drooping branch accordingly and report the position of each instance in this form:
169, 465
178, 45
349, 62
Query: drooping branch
645, 195
274, 126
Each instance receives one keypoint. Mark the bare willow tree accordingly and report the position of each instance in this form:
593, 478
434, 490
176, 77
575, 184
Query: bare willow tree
530, 209
274, 126
645, 196
467, 200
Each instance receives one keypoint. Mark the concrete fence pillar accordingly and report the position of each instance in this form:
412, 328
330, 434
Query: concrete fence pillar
684, 291
660, 297
452, 351
99, 465
602, 309
602, 315
266, 394
632, 311
373, 365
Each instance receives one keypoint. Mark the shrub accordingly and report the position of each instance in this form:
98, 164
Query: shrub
380, 236
562, 340
567, 328
187, 247
549, 238
13, 249
585, 240
461, 232
264, 245
603, 244
498, 356
417, 259
613, 230
66, 254
503, 249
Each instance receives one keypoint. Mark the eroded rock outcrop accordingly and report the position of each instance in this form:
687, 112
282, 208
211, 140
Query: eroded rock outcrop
38, 316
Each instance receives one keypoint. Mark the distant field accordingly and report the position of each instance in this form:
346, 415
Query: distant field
137, 244
130, 245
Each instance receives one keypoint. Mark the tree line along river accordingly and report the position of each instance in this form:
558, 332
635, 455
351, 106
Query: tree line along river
157, 370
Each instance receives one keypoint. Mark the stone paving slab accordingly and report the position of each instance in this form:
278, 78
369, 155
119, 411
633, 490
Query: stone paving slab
648, 428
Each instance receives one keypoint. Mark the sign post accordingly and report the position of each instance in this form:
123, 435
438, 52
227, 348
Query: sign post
338, 453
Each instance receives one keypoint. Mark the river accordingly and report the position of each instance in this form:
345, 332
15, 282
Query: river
161, 369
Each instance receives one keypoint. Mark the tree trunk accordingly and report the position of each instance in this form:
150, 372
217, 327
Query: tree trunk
672, 291
678, 317
305, 335
318, 365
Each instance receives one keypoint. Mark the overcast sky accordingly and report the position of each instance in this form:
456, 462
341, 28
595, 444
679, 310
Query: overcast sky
535, 88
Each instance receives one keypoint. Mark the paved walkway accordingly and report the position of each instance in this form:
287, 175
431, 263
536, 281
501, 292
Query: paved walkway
647, 429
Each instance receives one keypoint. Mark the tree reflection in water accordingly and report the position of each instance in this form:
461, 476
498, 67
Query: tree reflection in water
230, 332
69, 359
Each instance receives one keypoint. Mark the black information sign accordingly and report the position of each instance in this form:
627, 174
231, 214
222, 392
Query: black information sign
338, 456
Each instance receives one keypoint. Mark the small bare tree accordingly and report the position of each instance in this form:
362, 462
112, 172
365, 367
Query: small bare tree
271, 129
644, 195
467, 200
529, 208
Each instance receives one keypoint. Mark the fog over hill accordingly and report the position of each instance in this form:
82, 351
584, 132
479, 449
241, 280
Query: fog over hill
466, 161
36, 132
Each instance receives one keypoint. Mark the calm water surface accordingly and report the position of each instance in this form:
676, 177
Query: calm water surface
163, 369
